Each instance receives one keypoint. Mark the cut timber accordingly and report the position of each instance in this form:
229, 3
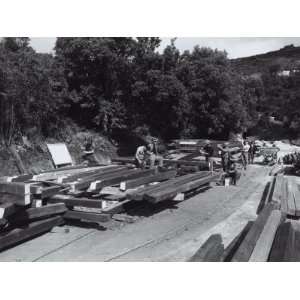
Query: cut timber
15, 192
172, 191
265, 241
277, 193
73, 201
211, 251
38, 212
284, 196
124, 160
197, 163
117, 178
286, 246
291, 207
245, 250
87, 216
139, 194
129, 184
21, 234
7, 209
85, 182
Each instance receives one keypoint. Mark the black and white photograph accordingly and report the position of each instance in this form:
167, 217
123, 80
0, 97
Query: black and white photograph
149, 149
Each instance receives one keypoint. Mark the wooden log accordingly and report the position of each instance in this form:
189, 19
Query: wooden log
87, 216
172, 191
73, 201
291, 207
7, 209
15, 192
211, 251
31, 230
117, 178
85, 182
133, 183
264, 243
284, 197
246, 248
139, 194
286, 246
37, 213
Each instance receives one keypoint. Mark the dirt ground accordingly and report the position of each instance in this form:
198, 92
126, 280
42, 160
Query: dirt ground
169, 232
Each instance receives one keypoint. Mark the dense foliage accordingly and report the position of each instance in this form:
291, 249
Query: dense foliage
121, 85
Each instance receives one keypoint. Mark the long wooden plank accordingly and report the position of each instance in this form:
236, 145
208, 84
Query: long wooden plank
277, 193
38, 212
139, 195
197, 163
245, 250
85, 182
291, 207
73, 201
264, 243
133, 183
171, 192
118, 178
87, 216
29, 231
211, 251
284, 196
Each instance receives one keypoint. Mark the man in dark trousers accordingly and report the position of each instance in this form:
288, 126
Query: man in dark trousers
208, 152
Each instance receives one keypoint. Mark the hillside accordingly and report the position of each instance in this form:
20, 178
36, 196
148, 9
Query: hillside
285, 58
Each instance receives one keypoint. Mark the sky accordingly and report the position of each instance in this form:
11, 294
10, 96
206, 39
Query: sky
235, 47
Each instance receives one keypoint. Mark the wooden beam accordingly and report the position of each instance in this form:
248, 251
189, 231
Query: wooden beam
7, 209
169, 193
139, 194
38, 212
87, 216
245, 250
264, 243
197, 163
117, 178
291, 207
211, 251
31, 230
73, 201
133, 183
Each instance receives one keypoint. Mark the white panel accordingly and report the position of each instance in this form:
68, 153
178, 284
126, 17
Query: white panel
60, 154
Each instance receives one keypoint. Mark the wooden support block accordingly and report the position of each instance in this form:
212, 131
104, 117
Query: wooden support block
37, 203
129, 184
87, 216
179, 197
31, 230
117, 208
264, 243
211, 251
15, 188
245, 250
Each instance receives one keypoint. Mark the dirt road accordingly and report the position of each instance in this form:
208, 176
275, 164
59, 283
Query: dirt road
168, 233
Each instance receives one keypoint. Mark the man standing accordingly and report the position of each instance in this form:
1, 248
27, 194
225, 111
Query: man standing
251, 153
245, 151
208, 151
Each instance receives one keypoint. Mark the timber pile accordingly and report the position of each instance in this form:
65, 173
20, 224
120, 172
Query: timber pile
33, 204
273, 236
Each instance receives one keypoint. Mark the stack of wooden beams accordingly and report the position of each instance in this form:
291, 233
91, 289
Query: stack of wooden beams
175, 188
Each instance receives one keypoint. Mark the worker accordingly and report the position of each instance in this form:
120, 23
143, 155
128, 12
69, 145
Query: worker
141, 157
88, 152
251, 153
145, 154
232, 171
153, 157
224, 152
245, 149
208, 152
